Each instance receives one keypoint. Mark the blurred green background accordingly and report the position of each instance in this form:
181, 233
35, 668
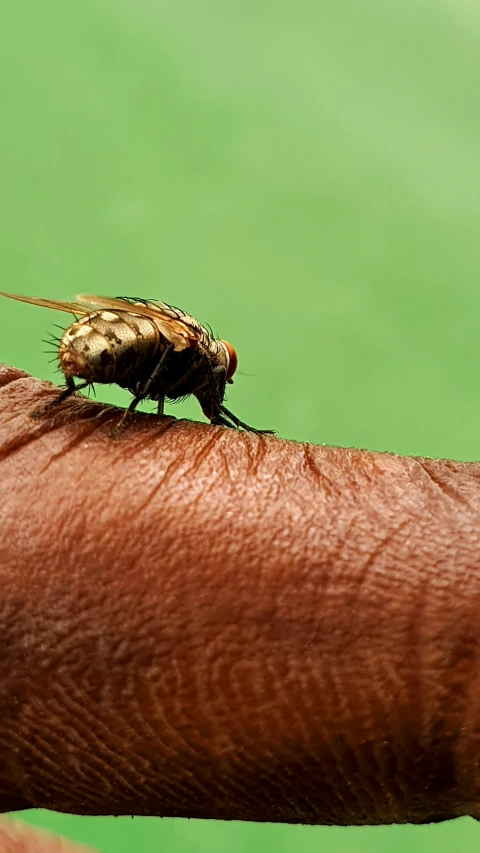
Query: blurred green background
305, 177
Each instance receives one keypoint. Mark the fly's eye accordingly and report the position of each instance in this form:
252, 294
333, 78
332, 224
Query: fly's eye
232, 360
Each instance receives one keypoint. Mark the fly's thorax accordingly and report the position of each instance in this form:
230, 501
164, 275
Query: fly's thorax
107, 346
209, 365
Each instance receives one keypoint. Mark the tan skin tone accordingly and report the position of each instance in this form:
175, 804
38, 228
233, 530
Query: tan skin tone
16, 837
199, 622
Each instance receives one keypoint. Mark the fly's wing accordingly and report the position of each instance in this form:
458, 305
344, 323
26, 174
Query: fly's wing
56, 304
178, 328
183, 331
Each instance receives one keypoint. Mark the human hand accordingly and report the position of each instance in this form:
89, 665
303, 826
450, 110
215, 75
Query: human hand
16, 837
203, 623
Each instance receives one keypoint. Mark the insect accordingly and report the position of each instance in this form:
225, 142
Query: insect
154, 350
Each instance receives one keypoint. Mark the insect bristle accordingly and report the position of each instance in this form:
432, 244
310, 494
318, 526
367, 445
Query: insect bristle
210, 331
134, 299
178, 311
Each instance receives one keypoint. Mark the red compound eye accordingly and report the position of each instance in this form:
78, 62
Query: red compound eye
232, 360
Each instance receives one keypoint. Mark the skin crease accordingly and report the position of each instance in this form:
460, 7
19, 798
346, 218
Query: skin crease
204, 623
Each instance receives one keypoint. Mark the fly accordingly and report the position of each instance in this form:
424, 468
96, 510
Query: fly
153, 350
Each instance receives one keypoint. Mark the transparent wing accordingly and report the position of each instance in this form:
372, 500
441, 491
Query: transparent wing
56, 304
171, 321
176, 326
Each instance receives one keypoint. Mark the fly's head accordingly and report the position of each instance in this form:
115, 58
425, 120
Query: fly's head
230, 362
221, 363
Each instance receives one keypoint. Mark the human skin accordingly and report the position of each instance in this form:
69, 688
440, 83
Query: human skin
15, 837
198, 622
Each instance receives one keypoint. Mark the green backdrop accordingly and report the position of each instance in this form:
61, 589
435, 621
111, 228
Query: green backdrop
303, 176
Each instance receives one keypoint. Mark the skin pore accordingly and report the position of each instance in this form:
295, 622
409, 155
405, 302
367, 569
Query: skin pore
206, 623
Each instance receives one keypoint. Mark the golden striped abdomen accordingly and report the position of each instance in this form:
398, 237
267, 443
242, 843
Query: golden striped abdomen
107, 346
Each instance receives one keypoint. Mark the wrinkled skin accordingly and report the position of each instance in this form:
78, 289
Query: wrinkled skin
206, 623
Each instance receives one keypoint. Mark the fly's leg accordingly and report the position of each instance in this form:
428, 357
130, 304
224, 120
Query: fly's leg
129, 411
143, 392
217, 413
146, 387
67, 392
227, 418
